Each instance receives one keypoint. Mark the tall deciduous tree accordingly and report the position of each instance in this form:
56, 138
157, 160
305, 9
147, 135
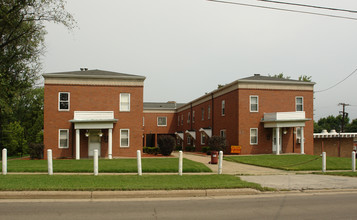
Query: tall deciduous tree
22, 34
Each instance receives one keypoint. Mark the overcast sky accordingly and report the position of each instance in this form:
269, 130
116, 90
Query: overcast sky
187, 47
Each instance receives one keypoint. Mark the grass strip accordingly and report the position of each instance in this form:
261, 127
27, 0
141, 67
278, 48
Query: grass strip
293, 162
349, 174
151, 165
121, 182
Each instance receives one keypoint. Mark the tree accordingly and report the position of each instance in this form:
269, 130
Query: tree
352, 127
15, 142
330, 123
305, 78
217, 143
166, 144
21, 44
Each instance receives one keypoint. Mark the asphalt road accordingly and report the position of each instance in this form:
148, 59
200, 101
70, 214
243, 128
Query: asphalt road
276, 206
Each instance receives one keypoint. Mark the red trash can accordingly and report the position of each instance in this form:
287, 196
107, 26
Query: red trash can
214, 157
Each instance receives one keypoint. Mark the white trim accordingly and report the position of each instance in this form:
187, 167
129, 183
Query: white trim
125, 129
59, 101
188, 117
209, 112
224, 132
193, 116
158, 121
202, 114
250, 136
203, 135
189, 140
120, 103
302, 103
250, 103
223, 107
59, 138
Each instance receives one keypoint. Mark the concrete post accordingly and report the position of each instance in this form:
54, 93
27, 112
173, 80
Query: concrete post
323, 161
353, 161
96, 162
4, 161
110, 143
220, 161
77, 144
138, 156
180, 163
49, 162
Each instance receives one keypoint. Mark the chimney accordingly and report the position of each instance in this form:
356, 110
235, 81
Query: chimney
256, 74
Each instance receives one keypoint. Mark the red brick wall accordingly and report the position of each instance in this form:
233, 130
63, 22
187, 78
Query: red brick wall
331, 146
272, 101
92, 98
151, 127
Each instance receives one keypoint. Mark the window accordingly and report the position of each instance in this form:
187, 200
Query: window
124, 137
125, 102
63, 138
178, 120
63, 101
299, 103
202, 114
161, 121
193, 117
223, 107
254, 136
253, 103
222, 133
188, 117
189, 140
203, 138
181, 119
143, 121
209, 112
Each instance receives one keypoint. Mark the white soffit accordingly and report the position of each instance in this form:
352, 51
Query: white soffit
192, 133
180, 134
208, 131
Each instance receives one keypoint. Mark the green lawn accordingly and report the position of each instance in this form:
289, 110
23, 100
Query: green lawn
293, 162
154, 165
121, 182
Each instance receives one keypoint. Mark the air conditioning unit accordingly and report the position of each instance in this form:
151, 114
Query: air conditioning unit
298, 140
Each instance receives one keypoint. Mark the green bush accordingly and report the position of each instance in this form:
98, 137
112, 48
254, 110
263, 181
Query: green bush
151, 150
166, 144
36, 151
190, 148
206, 149
217, 143
178, 148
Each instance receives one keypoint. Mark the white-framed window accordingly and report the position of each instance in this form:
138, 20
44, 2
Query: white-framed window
124, 102
63, 138
143, 121
203, 138
209, 112
124, 137
188, 117
181, 119
178, 120
63, 101
189, 140
193, 116
299, 104
162, 121
254, 101
253, 136
222, 133
202, 114
223, 107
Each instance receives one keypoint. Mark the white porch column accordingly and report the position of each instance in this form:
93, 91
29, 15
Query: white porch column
277, 137
78, 156
110, 143
302, 141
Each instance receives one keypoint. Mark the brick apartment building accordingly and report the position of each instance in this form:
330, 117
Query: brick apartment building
94, 109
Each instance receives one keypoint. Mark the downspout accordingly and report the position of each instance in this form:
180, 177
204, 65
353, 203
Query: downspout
212, 116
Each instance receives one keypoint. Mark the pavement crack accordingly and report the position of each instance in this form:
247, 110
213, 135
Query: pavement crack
155, 213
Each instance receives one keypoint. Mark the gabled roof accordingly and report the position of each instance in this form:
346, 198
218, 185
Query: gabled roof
162, 105
94, 74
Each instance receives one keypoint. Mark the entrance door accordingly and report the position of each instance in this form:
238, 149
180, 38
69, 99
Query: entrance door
93, 142
274, 140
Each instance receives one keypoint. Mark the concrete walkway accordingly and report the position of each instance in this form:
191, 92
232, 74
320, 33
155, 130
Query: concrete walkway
232, 167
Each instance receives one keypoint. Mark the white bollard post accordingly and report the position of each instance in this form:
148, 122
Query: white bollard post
49, 162
138, 156
180, 163
323, 161
95, 162
353, 161
4, 161
220, 161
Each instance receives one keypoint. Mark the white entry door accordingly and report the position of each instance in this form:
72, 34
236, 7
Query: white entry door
274, 140
93, 142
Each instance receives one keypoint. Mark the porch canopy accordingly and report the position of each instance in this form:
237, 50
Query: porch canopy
94, 120
192, 133
278, 120
179, 134
208, 131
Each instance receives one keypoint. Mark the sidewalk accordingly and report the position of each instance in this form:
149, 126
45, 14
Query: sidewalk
232, 167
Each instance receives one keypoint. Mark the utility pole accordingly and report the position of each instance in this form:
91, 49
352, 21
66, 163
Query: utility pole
344, 115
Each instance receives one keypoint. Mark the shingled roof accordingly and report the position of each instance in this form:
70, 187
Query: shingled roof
98, 74
258, 77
